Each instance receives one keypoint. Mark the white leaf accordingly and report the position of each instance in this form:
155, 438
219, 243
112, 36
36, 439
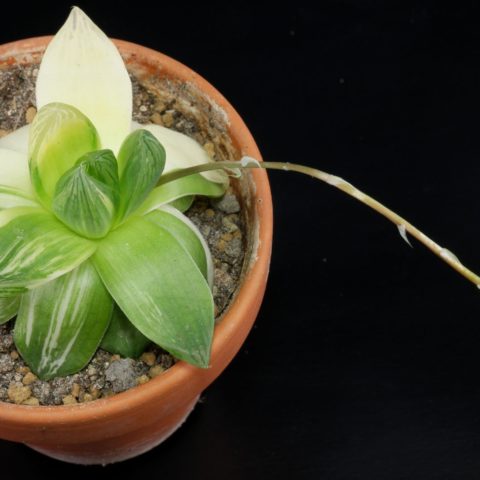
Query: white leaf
14, 170
182, 151
83, 68
17, 140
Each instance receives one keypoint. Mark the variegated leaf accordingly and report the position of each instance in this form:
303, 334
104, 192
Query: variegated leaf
175, 312
61, 324
60, 134
35, 248
188, 235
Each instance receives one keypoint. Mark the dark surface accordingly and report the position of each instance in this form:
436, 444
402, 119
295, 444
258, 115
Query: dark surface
364, 362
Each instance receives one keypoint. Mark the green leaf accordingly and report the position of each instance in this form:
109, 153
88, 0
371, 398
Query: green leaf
14, 171
83, 68
60, 134
35, 248
187, 235
8, 308
185, 186
86, 196
61, 324
123, 338
183, 204
13, 197
158, 286
183, 151
140, 163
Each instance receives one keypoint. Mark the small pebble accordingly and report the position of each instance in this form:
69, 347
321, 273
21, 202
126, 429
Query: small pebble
29, 378
121, 374
143, 379
86, 397
94, 392
6, 363
69, 400
227, 204
18, 393
143, 108
155, 371
167, 119
148, 358
156, 118
42, 391
160, 106
229, 225
210, 149
23, 370
14, 355
75, 390
31, 402
30, 114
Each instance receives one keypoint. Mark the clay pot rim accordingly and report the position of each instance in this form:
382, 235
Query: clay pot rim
249, 291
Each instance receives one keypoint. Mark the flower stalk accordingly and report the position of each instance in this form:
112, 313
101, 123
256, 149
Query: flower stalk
402, 224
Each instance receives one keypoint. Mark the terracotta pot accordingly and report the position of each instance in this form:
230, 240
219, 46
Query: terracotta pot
130, 423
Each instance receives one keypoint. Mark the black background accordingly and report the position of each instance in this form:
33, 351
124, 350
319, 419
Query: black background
364, 361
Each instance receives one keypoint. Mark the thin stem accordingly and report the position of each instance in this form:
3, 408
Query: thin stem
402, 224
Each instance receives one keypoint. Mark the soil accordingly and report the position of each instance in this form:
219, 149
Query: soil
221, 222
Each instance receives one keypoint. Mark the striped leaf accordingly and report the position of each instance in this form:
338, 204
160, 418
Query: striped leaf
61, 324
86, 196
175, 311
59, 135
83, 68
140, 163
35, 248
188, 235
8, 308
123, 338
